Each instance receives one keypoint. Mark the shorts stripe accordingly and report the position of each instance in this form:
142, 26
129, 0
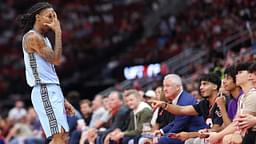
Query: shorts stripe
45, 97
48, 109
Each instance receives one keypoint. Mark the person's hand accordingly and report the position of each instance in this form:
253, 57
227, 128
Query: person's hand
204, 133
155, 140
114, 132
91, 132
203, 130
92, 135
70, 110
81, 125
117, 136
54, 24
84, 137
106, 140
214, 138
245, 121
233, 138
182, 136
155, 103
111, 134
221, 101
157, 133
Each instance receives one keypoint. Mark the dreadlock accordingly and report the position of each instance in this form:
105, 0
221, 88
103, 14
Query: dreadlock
27, 20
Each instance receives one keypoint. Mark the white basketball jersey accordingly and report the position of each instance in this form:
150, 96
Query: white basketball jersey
38, 70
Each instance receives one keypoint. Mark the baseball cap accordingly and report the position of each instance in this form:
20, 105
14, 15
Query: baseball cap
150, 93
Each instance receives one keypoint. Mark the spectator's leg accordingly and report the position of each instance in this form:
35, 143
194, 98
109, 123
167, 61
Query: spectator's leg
34, 141
100, 138
167, 140
143, 140
75, 137
125, 140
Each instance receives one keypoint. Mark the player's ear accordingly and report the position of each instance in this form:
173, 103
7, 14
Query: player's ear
54, 14
37, 17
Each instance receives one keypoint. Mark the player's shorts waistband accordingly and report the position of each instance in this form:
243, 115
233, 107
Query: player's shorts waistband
46, 84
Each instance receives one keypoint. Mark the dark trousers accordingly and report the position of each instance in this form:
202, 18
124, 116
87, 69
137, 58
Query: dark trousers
75, 137
250, 137
125, 140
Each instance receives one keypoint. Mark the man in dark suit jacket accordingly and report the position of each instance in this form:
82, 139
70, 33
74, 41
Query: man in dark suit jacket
174, 92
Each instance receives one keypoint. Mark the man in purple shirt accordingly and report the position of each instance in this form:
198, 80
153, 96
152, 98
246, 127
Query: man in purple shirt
229, 84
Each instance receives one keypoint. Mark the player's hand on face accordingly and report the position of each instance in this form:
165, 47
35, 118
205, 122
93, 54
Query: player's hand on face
55, 23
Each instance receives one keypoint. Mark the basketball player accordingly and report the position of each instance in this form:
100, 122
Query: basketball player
40, 58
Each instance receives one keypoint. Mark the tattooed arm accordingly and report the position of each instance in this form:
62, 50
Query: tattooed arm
35, 43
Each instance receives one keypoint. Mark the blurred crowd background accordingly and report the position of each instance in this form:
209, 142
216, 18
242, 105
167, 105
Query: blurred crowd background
101, 37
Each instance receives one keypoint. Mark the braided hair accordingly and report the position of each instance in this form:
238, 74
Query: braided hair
27, 20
